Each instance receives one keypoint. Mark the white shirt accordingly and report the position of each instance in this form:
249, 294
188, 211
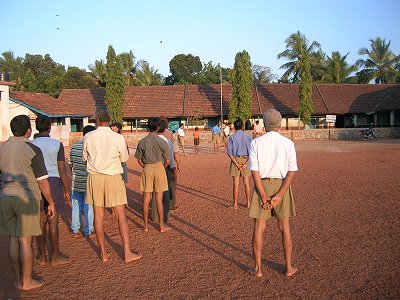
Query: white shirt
171, 150
181, 132
50, 148
272, 155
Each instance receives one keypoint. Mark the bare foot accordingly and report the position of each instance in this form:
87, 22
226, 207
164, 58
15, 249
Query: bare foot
40, 260
59, 260
75, 235
255, 272
290, 272
165, 228
132, 257
105, 258
33, 284
17, 284
146, 229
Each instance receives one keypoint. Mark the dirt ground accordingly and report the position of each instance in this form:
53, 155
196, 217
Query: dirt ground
345, 235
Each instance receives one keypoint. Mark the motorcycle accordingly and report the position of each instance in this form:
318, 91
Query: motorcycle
368, 133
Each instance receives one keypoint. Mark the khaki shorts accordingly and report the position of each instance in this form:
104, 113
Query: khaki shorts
19, 217
283, 210
216, 139
105, 190
235, 172
154, 178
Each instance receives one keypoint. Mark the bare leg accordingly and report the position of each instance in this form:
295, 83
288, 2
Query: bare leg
284, 227
99, 229
119, 211
54, 235
235, 191
246, 183
160, 211
26, 259
258, 234
146, 203
41, 240
13, 256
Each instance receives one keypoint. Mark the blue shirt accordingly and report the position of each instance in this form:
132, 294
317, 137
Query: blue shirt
216, 130
239, 144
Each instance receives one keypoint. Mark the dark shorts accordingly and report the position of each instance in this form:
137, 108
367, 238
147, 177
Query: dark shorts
57, 192
196, 142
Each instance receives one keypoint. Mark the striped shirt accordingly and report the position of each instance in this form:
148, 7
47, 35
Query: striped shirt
79, 170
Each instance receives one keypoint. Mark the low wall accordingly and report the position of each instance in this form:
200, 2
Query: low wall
306, 134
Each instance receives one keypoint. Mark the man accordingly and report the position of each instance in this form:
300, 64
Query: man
167, 195
153, 156
273, 166
181, 137
54, 159
23, 177
104, 150
216, 130
238, 149
79, 181
257, 130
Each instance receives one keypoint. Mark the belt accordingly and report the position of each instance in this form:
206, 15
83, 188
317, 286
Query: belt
244, 156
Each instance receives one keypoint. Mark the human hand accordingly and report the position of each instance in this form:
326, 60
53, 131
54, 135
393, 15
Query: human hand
51, 211
67, 199
266, 202
274, 201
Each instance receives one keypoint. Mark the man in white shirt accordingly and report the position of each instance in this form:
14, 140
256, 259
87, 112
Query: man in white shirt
273, 165
104, 150
181, 137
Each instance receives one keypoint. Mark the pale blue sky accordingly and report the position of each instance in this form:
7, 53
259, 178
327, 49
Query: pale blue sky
213, 30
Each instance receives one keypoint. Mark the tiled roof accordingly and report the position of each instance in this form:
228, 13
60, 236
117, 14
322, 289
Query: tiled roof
205, 100
10, 83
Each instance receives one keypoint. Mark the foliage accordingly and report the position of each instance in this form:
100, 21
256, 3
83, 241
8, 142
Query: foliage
296, 48
98, 71
184, 69
128, 64
306, 106
240, 106
115, 86
11, 65
211, 74
146, 75
337, 70
380, 64
76, 78
263, 74
29, 82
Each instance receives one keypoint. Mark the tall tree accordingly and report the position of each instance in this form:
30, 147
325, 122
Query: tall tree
129, 67
240, 106
29, 82
99, 72
296, 48
306, 106
146, 75
13, 66
337, 70
262, 74
380, 64
184, 69
115, 86
76, 78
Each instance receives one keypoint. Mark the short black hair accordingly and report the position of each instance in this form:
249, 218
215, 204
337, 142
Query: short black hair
118, 125
238, 124
103, 115
153, 124
88, 128
43, 123
20, 125
163, 126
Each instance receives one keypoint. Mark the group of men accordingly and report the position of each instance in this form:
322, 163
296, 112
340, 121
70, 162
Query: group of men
34, 170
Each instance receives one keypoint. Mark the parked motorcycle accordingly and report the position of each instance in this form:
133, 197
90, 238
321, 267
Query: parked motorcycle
368, 133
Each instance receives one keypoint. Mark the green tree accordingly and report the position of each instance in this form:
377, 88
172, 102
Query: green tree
211, 74
296, 48
13, 66
115, 86
147, 75
306, 106
76, 78
240, 106
380, 64
263, 74
98, 71
128, 63
184, 69
29, 82
337, 70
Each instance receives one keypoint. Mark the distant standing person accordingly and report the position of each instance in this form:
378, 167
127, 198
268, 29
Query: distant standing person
216, 130
153, 156
196, 140
257, 130
238, 150
79, 181
54, 159
104, 150
181, 137
273, 166
23, 177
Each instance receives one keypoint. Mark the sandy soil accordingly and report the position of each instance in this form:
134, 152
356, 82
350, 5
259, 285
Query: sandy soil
346, 240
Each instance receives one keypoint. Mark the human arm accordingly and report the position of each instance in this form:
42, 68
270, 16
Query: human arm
275, 199
44, 187
258, 185
63, 175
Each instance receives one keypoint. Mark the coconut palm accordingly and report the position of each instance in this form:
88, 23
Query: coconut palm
128, 63
146, 75
337, 70
262, 74
296, 48
380, 64
99, 72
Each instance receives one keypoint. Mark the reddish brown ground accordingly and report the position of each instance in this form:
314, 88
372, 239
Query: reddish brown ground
346, 239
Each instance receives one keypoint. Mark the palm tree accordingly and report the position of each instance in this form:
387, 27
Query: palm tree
337, 70
147, 75
262, 74
296, 48
14, 66
99, 72
128, 63
380, 64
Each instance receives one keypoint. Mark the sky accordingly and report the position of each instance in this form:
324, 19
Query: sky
78, 32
